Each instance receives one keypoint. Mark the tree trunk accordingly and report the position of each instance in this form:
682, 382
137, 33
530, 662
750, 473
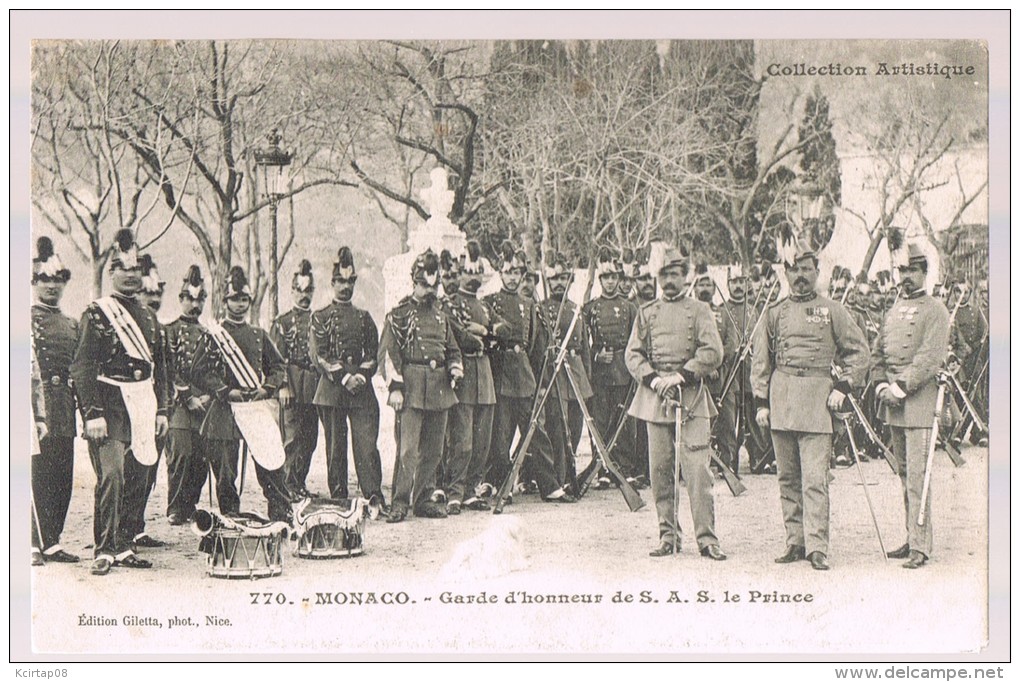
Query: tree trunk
876, 241
97, 278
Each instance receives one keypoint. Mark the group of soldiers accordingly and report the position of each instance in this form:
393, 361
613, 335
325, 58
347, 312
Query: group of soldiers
660, 376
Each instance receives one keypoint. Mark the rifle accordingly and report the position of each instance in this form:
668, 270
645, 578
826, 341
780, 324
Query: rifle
632, 496
939, 400
864, 483
872, 434
541, 397
584, 479
969, 405
746, 349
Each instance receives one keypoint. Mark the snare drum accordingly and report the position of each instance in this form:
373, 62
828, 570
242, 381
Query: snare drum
246, 551
330, 529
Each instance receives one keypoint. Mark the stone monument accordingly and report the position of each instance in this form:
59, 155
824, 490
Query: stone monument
437, 233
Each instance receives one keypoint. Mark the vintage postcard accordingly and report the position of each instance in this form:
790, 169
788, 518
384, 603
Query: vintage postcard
657, 345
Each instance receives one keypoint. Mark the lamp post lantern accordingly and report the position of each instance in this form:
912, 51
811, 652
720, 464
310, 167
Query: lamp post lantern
271, 161
807, 206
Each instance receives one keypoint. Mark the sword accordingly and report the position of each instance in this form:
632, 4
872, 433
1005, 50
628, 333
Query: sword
872, 434
939, 399
864, 483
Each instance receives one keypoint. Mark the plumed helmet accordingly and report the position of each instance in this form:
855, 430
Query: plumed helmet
304, 281
700, 273
193, 285
512, 258
557, 265
473, 263
425, 269
237, 283
607, 263
151, 283
343, 268
124, 251
448, 263
47, 266
884, 280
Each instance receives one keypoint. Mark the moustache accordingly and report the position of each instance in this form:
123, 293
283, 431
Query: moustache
800, 280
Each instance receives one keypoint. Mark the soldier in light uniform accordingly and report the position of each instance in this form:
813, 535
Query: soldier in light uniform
608, 321
470, 427
141, 480
517, 351
424, 368
562, 405
794, 352
119, 375
911, 349
299, 421
675, 346
344, 344
722, 427
213, 374
54, 340
186, 458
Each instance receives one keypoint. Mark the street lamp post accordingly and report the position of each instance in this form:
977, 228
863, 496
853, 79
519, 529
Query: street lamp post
272, 160
807, 207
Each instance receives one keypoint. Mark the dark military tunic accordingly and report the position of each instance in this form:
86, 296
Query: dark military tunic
290, 334
186, 459
343, 342
577, 351
609, 321
477, 387
512, 366
212, 375
54, 340
120, 479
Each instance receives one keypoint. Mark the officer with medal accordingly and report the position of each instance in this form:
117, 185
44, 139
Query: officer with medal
54, 340
299, 421
186, 457
911, 349
799, 342
241, 349
608, 321
139, 482
343, 344
513, 359
424, 367
562, 405
470, 427
119, 374
673, 348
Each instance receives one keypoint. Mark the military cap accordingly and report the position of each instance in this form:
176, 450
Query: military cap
425, 269
124, 251
193, 285
304, 281
151, 283
237, 283
343, 268
674, 257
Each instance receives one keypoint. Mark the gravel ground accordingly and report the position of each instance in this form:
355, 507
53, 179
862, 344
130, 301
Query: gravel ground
546, 578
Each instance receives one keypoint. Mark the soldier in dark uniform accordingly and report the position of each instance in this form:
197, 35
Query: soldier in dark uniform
140, 480
520, 348
737, 407
54, 339
722, 427
212, 374
673, 347
118, 364
608, 321
186, 459
796, 347
344, 345
299, 421
644, 292
424, 368
449, 275
911, 349
626, 286
470, 422
562, 405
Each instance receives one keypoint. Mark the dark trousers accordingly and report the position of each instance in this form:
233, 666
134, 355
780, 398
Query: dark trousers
514, 414
187, 469
224, 457
139, 480
52, 479
421, 448
564, 448
108, 461
300, 423
470, 432
607, 406
364, 430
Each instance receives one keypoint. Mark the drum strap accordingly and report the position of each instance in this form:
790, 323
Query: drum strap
242, 370
127, 329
